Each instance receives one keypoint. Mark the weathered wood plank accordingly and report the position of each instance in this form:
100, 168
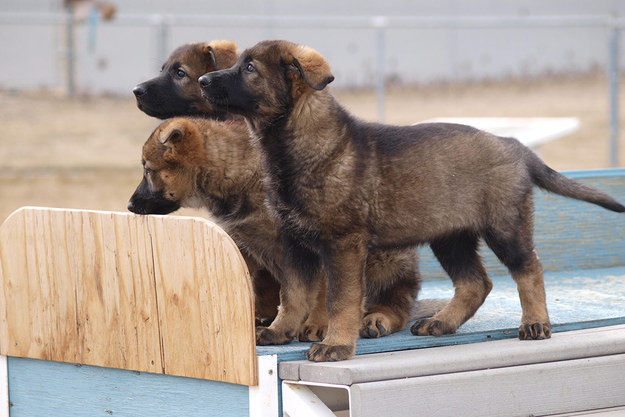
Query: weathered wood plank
205, 305
147, 293
575, 299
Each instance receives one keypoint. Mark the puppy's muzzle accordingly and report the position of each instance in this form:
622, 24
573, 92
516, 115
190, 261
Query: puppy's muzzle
139, 91
205, 81
212, 88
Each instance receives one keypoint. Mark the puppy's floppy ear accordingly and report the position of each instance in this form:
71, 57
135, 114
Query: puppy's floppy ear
172, 133
183, 141
221, 54
312, 66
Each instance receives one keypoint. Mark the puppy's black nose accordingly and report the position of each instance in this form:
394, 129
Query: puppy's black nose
204, 81
131, 206
139, 90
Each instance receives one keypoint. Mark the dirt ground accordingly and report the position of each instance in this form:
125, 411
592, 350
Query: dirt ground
85, 153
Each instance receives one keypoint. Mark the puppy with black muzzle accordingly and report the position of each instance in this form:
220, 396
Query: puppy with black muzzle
176, 92
340, 186
194, 162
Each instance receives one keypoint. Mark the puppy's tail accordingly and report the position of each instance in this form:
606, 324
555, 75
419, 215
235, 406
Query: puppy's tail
550, 180
428, 307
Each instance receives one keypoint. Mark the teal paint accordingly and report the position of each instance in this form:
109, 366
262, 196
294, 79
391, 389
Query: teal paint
575, 299
581, 246
53, 389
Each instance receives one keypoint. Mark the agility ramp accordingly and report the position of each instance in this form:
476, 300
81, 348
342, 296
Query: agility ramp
106, 313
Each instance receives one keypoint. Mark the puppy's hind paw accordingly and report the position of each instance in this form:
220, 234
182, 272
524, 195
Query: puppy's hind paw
312, 333
267, 336
375, 325
431, 327
535, 331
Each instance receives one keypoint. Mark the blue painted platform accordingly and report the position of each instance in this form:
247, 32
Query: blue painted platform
582, 249
575, 300
581, 246
43, 388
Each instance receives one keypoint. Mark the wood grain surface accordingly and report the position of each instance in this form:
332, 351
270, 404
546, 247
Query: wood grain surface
162, 294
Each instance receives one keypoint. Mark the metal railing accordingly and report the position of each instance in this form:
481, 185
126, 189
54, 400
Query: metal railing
379, 24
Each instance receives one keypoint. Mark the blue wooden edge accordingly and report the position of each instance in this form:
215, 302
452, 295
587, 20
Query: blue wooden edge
601, 303
46, 388
297, 350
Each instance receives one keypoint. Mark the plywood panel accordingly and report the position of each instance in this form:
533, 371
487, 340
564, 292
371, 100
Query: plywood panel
148, 293
207, 304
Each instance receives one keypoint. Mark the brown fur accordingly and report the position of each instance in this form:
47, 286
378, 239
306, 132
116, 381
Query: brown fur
176, 92
205, 163
340, 186
171, 94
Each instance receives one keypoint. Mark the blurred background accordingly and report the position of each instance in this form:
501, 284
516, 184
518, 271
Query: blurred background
72, 134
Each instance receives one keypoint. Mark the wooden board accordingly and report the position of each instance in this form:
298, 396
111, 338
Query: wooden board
161, 294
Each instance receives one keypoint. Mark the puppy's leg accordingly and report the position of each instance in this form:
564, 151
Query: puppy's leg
301, 278
266, 292
393, 282
458, 255
294, 307
344, 262
513, 245
535, 323
315, 327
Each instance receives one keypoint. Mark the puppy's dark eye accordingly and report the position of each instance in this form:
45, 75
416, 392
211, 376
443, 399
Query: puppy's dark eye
147, 172
180, 74
250, 68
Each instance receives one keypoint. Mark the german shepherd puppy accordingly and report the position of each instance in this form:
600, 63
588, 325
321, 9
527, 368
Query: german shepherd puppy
193, 162
176, 92
339, 186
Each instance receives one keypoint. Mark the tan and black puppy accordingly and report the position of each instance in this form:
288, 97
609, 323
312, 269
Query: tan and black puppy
176, 92
193, 162
340, 186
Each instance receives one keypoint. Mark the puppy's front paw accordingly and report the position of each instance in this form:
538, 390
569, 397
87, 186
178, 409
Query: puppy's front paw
535, 331
312, 332
267, 336
431, 327
375, 325
320, 352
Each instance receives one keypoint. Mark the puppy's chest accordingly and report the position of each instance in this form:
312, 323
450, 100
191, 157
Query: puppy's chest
311, 213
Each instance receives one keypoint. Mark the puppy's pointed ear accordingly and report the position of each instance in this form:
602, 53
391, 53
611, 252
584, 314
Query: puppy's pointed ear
312, 66
221, 54
172, 133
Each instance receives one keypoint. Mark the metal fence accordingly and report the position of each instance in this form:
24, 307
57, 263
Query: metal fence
380, 25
